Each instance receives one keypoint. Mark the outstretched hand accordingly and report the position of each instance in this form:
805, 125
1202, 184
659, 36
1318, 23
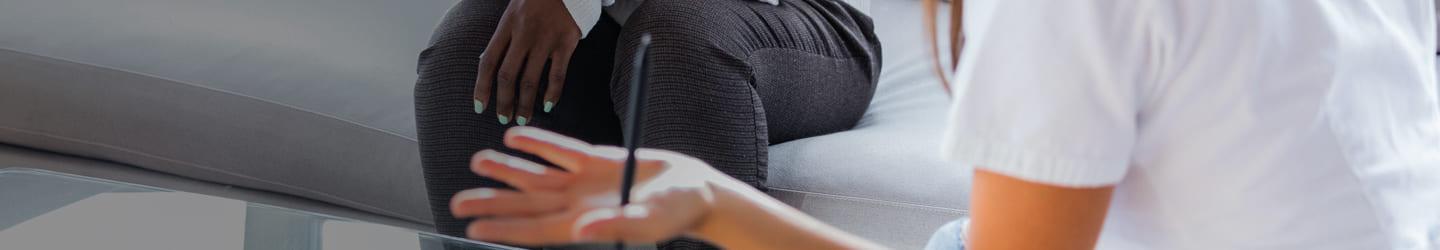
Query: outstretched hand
530, 33
581, 204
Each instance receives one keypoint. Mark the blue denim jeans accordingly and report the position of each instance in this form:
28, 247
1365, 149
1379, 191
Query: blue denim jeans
951, 236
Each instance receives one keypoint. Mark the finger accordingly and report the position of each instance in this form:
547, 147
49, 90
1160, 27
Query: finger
574, 155
529, 83
658, 218
505, 80
646, 167
566, 152
496, 202
559, 66
546, 230
489, 63
518, 172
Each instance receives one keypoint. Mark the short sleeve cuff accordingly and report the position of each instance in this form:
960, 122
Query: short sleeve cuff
1075, 172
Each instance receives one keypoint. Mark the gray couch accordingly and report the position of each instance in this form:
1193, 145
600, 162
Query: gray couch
307, 104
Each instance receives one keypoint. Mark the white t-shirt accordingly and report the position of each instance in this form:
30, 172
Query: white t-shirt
1224, 124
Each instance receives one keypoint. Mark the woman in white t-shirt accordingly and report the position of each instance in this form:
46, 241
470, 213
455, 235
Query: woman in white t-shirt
1122, 124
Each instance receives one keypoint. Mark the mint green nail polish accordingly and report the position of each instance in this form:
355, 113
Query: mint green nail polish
521, 120
479, 107
503, 119
549, 105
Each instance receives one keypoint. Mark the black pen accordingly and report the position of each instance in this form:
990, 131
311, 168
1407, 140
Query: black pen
632, 124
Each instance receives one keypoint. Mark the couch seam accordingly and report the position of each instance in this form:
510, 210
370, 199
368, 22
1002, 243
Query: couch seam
876, 201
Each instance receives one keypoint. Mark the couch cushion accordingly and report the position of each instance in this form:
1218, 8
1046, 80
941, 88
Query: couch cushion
311, 98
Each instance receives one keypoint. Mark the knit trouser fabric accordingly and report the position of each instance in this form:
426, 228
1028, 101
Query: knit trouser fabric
728, 78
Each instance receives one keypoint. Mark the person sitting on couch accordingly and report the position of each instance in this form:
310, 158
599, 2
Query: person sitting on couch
1120, 124
729, 78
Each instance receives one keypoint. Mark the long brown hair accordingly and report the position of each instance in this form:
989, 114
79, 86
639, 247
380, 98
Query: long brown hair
957, 40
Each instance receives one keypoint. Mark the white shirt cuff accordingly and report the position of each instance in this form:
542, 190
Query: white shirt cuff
586, 13
1075, 172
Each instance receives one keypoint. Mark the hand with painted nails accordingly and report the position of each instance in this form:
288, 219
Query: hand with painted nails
530, 33
673, 193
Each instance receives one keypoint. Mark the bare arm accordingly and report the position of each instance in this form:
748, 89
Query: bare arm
1010, 213
745, 218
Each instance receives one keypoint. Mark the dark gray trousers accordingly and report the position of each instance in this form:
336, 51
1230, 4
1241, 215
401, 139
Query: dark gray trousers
729, 78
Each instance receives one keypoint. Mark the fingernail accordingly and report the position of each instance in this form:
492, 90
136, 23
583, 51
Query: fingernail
479, 107
549, 105
503, 119
476, 194
521, 120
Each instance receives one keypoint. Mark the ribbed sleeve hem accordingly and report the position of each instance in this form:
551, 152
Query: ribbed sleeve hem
586, 13
1049, 169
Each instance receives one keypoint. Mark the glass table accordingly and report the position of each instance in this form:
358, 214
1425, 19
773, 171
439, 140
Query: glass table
49, 210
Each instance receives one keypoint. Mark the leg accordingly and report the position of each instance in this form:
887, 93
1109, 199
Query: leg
729, 78
449, 129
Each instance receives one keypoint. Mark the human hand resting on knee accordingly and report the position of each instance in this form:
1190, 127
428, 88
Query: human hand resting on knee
530, 33
674, 195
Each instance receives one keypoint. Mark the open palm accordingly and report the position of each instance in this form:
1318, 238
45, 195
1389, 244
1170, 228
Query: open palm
582, 204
